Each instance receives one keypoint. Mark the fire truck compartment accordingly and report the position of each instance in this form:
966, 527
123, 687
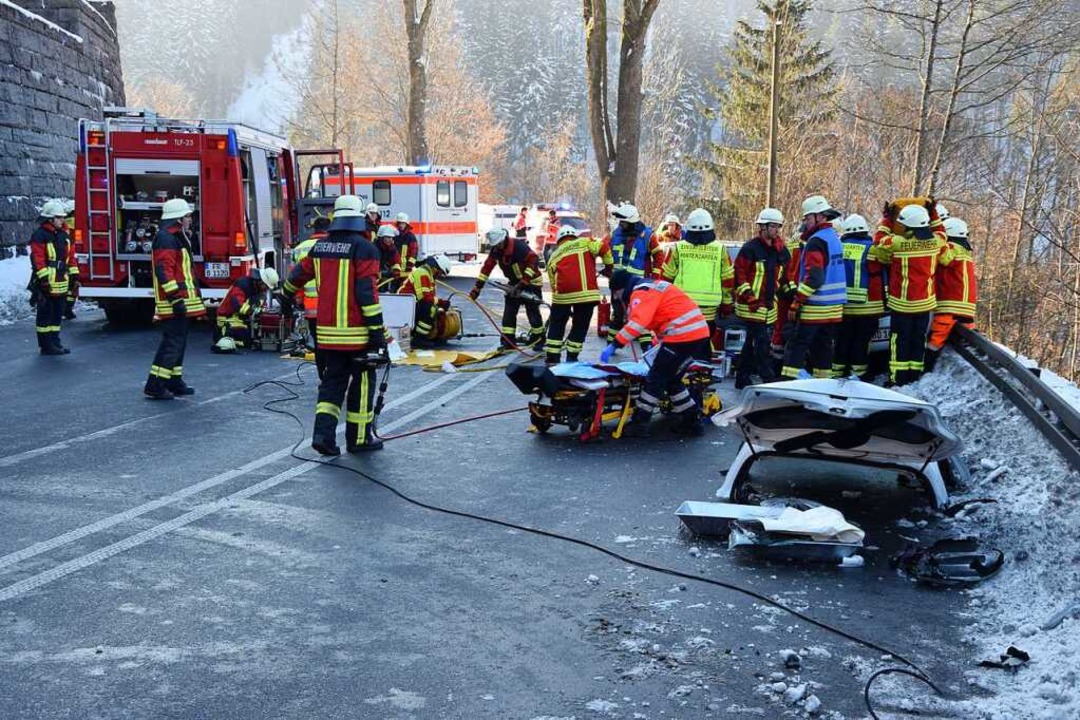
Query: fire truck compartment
142, 187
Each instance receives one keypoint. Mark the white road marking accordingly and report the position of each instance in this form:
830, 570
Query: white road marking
108, 522
84, 561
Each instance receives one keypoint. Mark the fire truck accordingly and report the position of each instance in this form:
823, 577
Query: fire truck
240, 181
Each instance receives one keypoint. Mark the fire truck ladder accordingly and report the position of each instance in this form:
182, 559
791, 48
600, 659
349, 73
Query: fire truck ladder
99, 207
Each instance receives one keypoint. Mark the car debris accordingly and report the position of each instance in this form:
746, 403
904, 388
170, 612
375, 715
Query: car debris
820, 534
949, 562
1011, 660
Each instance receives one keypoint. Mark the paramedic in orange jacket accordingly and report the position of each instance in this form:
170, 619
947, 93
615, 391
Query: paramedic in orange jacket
957, 290
911, 250
662, 309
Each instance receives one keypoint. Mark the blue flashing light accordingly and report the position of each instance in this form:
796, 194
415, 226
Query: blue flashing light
423, 169
566, 206
234, 145
82, 140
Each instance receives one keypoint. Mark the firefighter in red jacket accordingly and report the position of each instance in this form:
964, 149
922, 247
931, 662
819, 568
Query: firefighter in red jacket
911, 248
54, 268
389, 259
574, 292
865, 300
521, 267
176, 300
758, 271
350, 328
957, 290
407, 245
674, 318
233, 326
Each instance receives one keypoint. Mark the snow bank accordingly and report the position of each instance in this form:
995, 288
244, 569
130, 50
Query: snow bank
1036, 521
14, 274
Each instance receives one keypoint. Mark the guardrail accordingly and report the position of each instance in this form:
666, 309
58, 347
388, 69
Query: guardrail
1063, 430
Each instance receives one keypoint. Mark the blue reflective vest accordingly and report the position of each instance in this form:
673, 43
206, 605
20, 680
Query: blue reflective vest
631, 256
834, 290
857, 267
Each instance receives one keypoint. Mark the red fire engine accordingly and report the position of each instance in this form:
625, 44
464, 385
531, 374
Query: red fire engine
240, 181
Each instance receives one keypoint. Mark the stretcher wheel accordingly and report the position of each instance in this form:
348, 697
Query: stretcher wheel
541, 424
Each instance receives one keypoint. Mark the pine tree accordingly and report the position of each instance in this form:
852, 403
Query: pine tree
736, 169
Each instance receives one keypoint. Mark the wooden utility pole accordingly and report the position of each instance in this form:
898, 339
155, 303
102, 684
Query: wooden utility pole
774, 111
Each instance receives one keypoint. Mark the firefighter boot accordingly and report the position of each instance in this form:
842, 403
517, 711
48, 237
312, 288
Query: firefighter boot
69, 310
324, 436
155, 389
178, 387
689, 424
638, 427
932, 356
371, 443
536, 340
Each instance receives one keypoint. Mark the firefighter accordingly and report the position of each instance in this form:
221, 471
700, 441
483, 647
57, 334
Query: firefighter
912, 250
785, 293
956, 288
176, 300
233, 327
373, 218
345, 266
662, 309
758, 270
54, 270
407, 245
636, 249
320, 226
817, 307
389, 259
73, 280
521, 267
669, 234
701, 267
574, 292
420, 283
865, 300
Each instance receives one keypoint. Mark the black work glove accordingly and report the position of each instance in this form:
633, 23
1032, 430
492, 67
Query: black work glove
179, 308
376, 340
475, 292
286, 304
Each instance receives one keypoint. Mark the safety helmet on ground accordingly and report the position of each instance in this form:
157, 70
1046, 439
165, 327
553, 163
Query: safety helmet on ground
672, 218
269, 277
956, 228
53, 209
942, 212
226, 345
175, 208
440, 262
854, 224
347, 206
914, 216
770, 215
626, 213
815, 204
567, 231
402, 217
496, 235
699, 220
371, 208
387, 231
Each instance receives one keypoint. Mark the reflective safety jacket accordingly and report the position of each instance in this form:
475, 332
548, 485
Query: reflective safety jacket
704, 272
664, 241
311, 293
822, 289
519, 264
957, 291
345, 267
912, 265
420, 283
173, 277
660, 308
238, 304
758, 272
865, 278
572, 270
389, 260
52, 259
634, 253
408, 249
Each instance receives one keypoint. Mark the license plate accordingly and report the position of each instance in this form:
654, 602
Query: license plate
216, 270
880, 335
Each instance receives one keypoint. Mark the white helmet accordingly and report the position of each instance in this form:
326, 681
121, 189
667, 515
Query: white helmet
914, 216
371, 208
226, 345
955, 227
699, 221
567, 231
770, 215
626, 213
387, 231
347, 206
942, 212
496, 235
54, 209
815, 204
402, 217
441, 262
175, 208
269, 277
671, 218
854, 224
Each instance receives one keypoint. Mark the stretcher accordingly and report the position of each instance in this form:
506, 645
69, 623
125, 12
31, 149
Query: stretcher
583, 396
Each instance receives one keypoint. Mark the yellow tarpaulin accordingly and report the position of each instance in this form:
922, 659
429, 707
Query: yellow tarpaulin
457, 358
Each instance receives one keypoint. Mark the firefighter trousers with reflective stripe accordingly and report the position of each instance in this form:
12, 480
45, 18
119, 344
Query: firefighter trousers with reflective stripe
810, 343
616, 322
754, 357
50, 312
666, 375
852, 356
345, 381
511, 308
907, 346
556, 333
168, 365
313, 336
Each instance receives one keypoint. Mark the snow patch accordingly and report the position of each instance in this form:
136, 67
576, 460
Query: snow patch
269, 98
43, 21
14, 274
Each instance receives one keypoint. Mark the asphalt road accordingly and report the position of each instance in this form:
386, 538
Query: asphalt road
171, 560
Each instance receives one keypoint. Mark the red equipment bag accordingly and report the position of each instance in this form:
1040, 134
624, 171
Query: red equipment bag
603, 317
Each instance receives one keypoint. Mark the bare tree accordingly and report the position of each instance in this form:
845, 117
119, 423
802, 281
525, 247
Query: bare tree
417, 19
